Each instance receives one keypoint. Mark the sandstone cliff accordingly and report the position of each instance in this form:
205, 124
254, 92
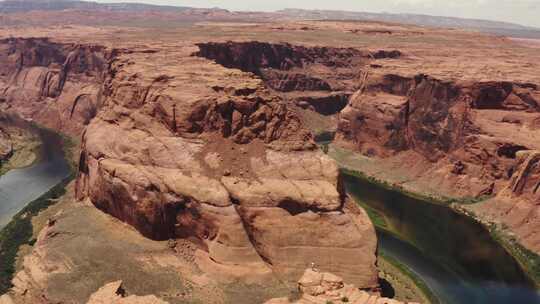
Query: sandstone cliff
181, 147
453, 137
18, 143
185, 148
462, 138
516, 205
316, 78
113, 293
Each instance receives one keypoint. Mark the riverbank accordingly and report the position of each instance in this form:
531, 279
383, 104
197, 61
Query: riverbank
354, 164
528, 261
25, 150
19, 231
407, 286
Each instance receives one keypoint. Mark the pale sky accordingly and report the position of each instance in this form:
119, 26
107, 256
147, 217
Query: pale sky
526, 12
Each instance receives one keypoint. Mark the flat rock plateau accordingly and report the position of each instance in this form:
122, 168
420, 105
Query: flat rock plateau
199, 180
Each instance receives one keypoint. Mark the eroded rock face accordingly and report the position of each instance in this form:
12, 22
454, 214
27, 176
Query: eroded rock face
323, 287
58, 85
13, 137
472, 129
516, 205
256, 56
6, 147
316, 78
185, 148
465, 139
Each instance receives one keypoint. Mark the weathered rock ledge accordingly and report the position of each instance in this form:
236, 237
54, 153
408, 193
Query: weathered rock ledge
180, 147
113, 293
317, 287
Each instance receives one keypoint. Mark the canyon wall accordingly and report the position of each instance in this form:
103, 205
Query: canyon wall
460, 137
465, 139
57, 85
186, 148
181, 147
16, 143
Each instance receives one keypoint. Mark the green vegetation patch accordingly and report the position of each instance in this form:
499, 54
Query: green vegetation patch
528, 260
413, 276
19, 232
433, 199
375, 216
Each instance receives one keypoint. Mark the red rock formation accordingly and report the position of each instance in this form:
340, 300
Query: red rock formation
517, 204
255, 56
13, 136
316, 78
180, 147
464, 127
56, 84
322, 287
202, 152
322, 77
113, 293
461, 138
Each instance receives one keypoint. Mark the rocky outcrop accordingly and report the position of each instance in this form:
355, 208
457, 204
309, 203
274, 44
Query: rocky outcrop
6, 142
113, 293
17, 142
58, 85
288, 82
506, 96
208, 154
323, 287
6, 147
31, 282
321, 78
516, 205
466, 131
256, 56
464, 139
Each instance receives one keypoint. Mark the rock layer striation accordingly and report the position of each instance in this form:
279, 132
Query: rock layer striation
317, 287
466, 139
55, 84
186, 148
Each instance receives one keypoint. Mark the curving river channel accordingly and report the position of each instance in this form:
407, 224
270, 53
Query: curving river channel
455, 256
18, 187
